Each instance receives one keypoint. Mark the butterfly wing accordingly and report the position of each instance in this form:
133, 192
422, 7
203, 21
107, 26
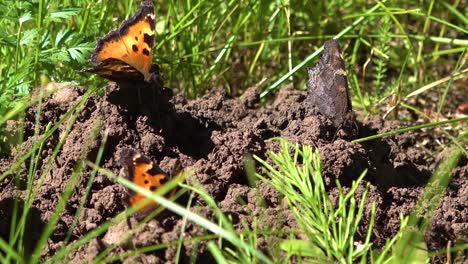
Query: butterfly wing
116, 70
142, 172
132, 43
328, 84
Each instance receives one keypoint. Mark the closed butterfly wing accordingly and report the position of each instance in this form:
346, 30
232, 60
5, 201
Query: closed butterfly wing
127, 50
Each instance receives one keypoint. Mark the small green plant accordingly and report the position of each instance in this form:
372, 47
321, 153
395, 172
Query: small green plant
382, 58
330, 227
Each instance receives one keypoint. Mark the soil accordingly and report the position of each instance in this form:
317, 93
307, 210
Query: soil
211, 135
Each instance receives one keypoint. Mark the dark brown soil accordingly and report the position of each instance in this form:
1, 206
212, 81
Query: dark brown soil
212, 134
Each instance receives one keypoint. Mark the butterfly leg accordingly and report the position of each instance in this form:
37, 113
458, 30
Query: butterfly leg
349, 126
336, 132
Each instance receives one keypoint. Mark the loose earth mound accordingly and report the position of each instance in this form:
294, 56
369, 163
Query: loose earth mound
212, 134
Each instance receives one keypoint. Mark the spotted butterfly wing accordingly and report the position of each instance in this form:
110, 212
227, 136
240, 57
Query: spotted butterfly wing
126, 53
140, 170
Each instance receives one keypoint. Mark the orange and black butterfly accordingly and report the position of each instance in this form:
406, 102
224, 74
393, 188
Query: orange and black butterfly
126, 53
140, 170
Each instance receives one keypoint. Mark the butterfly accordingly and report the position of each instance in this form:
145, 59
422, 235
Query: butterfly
328, 85
126, 53
140, 170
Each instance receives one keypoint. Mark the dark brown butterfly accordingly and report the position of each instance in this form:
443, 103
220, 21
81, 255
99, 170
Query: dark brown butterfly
328, 86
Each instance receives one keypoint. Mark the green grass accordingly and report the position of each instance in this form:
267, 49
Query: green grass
330, 228
396, 51
237, 44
